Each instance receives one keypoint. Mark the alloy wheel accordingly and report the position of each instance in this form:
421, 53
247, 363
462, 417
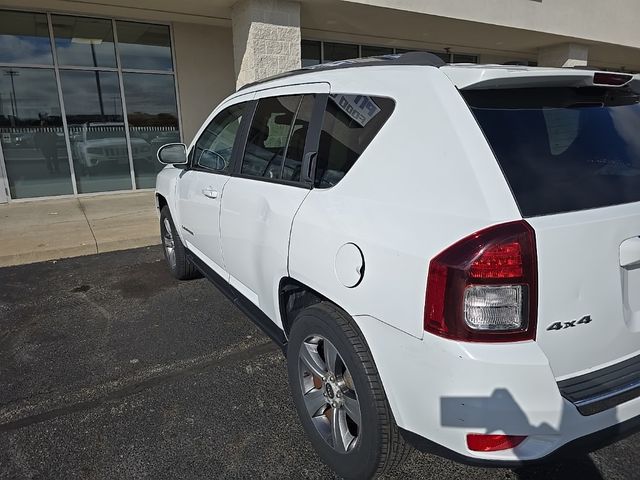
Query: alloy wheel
169, 244
329, 393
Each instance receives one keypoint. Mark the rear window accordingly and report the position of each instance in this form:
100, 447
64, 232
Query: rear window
563, 149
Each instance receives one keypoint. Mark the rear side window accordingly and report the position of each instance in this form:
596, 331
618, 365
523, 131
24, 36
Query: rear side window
563, 149
276, 140
350, 124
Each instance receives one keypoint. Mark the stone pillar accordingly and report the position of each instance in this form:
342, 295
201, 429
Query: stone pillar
564, 55
266, 38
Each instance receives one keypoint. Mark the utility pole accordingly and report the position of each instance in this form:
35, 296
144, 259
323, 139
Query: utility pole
14, 102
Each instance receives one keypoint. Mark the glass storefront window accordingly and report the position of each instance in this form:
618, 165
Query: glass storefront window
310, 50
369, 51
458, 58
339, 51
31, 133
83, 42
93, 61
153, 121
144, 46
93, 108
24, 38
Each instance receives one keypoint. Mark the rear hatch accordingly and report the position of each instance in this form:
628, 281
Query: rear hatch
570, 151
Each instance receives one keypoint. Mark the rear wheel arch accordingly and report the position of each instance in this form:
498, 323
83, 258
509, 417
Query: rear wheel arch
294, 296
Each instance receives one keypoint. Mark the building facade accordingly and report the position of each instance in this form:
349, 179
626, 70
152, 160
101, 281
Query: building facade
89, 90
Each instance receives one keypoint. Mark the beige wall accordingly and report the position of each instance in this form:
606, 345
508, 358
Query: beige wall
610, 21
204, 65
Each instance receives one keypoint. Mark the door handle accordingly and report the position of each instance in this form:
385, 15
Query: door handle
210, 193
630, 252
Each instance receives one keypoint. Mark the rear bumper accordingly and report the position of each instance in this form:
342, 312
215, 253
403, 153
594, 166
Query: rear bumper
440, 391
588, 443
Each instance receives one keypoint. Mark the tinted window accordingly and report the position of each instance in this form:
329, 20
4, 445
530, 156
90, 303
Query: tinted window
350, 123
564, 149
214, 147
31, 133
310, 51
144, 46
277, 123
86, 42
339, 51
96, 130
24, 38
459, 58
153, 121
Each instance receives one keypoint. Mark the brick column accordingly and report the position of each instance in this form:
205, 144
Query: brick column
564, 55
266, 38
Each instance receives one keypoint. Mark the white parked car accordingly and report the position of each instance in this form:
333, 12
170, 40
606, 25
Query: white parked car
449, 255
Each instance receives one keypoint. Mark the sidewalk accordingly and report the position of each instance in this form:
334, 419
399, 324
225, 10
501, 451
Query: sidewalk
51, 229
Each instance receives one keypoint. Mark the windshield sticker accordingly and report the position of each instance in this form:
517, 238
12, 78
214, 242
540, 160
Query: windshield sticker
360, 108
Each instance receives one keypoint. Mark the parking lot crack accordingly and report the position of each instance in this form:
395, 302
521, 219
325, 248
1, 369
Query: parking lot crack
84, 213
167, 375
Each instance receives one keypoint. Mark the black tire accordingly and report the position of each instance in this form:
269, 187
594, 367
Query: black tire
379, 447
180, 267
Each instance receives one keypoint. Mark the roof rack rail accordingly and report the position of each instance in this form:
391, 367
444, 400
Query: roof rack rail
410, 58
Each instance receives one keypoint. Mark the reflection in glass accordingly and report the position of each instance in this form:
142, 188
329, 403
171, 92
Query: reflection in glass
96, 130
310, 50
339, 51
83, 42
24, 38
153, 121
31, 133
144, 46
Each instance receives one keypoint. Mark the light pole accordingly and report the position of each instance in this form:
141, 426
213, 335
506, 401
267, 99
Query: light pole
14, 102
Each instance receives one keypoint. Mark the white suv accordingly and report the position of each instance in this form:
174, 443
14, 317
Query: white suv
449, 255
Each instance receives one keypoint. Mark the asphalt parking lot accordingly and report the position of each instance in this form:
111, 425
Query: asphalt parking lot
110, 368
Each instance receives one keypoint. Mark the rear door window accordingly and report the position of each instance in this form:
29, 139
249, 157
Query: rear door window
350, 123
276, 140
563, 149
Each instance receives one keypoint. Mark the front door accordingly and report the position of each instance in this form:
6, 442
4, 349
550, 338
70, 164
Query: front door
202, 185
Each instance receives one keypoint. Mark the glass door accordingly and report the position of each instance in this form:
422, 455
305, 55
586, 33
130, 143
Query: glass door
4, 186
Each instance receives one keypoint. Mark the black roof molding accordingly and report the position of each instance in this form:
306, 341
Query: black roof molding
410, 58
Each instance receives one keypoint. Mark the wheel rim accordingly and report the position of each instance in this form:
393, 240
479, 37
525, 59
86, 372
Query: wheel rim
169, 244
329, 394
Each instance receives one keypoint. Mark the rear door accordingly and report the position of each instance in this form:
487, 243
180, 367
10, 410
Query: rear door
572, 159
266, 190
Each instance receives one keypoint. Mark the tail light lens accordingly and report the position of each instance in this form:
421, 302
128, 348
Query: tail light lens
493, 443
484, 288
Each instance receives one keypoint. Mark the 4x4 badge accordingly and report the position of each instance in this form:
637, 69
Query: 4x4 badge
574, 323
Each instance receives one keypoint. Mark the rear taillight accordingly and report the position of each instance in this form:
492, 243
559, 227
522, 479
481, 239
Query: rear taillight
493, 443
484, 288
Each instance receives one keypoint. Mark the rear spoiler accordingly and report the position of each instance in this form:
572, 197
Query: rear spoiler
479, 78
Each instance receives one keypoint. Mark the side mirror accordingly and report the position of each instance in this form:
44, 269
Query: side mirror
173, 154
